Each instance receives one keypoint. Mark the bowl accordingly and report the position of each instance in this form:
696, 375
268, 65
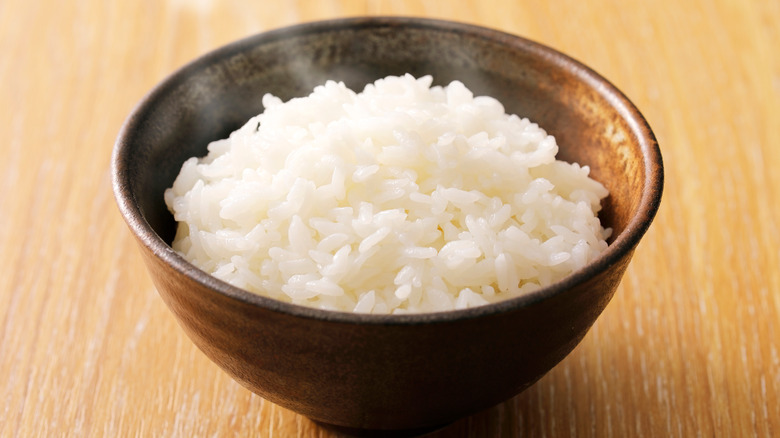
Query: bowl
392, 373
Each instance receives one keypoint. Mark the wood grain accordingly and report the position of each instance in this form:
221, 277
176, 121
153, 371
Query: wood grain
690, 345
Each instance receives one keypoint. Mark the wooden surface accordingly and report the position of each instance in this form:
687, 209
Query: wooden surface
689, 346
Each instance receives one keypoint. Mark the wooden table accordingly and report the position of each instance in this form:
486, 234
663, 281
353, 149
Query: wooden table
689, 345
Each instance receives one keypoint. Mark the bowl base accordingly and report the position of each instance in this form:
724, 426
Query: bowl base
382, 433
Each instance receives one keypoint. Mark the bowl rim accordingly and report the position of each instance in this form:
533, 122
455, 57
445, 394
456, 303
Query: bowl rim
623, 244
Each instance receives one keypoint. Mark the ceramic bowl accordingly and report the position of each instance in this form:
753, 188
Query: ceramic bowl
393, 372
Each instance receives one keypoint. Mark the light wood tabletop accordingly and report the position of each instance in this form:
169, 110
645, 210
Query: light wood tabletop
689, 346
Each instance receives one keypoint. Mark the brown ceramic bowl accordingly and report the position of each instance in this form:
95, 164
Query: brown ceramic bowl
393, 372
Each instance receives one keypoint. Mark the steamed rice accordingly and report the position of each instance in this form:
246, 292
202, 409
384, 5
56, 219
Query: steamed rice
402, 198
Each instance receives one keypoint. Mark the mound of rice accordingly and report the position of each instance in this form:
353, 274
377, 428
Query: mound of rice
402, 198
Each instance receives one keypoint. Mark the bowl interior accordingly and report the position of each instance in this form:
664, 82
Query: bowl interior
594, 123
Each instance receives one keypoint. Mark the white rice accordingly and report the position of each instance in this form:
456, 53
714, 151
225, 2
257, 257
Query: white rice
402, 198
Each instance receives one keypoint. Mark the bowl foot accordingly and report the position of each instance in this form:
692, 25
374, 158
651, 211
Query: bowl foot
382, 433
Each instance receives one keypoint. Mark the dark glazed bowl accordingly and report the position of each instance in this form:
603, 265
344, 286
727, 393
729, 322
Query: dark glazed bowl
371, 372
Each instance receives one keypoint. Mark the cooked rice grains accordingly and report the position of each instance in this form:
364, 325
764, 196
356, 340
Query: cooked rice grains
402, 198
